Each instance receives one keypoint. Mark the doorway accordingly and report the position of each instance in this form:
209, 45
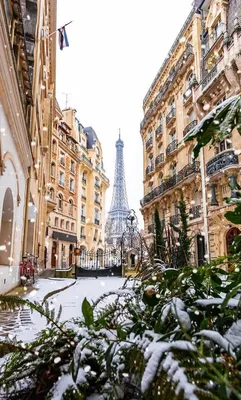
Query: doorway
70, 255
53, 255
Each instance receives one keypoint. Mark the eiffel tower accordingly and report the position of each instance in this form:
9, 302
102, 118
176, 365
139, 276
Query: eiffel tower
119, 210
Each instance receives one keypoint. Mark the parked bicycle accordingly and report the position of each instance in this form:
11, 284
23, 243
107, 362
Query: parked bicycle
27, 269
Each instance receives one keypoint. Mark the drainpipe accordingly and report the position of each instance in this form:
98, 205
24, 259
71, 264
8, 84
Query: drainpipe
205, 204
25, 232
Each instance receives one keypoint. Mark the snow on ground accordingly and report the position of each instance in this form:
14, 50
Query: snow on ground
71, 299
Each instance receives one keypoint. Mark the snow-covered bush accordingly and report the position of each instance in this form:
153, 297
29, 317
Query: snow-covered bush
175, 335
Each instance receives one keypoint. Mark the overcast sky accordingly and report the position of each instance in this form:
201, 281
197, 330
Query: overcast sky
115, 50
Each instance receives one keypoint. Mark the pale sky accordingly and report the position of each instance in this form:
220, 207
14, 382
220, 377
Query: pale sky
115, 50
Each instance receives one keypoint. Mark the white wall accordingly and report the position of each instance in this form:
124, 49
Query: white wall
9, 275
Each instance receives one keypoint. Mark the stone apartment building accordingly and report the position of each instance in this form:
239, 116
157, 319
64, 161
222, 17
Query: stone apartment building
76, 191
27, 84
202, 69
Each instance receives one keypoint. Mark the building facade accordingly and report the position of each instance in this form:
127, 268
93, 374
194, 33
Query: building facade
27, 83
202, 69
76, 190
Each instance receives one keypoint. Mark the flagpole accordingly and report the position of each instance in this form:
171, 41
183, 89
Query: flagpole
60, 28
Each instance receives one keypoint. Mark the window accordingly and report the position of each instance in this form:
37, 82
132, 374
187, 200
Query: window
62, 224
172, 105
52, 170
82, 232
60, 201
51, 194
83, 210
72, 227
67, 226
97, 198
189, 80
172, 135
95, 235
83, 194
71, 185
54, 146
217, 30
71, 207
97, 215
160, 120
56, 222
174, 169
84, 177
72, 166
61, 178
62, 159
150, 134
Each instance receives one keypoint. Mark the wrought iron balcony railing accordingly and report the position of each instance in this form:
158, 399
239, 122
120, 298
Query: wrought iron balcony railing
83, 236
174, 219
97, 186
209, 77
171, 147
151, 228
195, 212
83, 197
220, 161
82, 218
149, 169
149, 143
189, 127
188, 170
84, 181
97, 201
159, 159
171, 116
159, 130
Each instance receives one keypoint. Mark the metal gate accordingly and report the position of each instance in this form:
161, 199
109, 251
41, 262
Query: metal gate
99, 263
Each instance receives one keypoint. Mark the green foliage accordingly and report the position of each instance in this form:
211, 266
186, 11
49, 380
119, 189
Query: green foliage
162, 337
217, 125
160, 246
182, 250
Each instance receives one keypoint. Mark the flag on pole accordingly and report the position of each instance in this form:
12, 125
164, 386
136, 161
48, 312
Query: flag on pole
63, 39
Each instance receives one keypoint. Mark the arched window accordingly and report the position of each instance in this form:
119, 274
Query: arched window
71, 207
56, 222
6, 227
51, 194
52, 169
230, 236
67, 226
54, 146
72, 227
60, 201
62, 224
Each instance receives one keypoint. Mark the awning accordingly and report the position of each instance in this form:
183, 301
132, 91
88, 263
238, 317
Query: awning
64, 237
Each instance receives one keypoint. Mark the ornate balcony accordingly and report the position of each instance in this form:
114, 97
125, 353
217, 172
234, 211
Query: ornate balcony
209, 77
174, 219
170, 183
189, 127
159, 159
159, 131
220, 161
82, 218
149, 169
171, 116
151, 228
195, 212
149, 143
171, 147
